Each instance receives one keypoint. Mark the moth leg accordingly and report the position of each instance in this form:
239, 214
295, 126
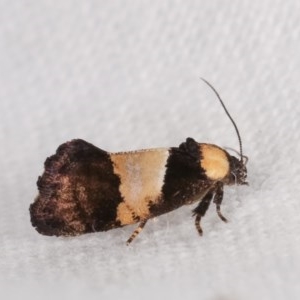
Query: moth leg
136, 232
201, 209
218, 201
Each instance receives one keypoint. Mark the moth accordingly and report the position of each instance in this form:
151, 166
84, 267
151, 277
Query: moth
85, 189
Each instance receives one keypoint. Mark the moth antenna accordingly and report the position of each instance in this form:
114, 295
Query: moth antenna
229, 116
245, 158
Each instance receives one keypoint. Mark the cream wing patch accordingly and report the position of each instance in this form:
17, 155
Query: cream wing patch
214, 161
142, 177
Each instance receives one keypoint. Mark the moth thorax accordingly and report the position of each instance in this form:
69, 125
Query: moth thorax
214, 161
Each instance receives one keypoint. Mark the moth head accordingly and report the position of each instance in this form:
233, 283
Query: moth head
238, 171
219, 165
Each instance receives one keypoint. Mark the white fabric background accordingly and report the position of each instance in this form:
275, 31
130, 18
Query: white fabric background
125, 75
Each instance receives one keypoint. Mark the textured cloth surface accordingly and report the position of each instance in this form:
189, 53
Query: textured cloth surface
125, 75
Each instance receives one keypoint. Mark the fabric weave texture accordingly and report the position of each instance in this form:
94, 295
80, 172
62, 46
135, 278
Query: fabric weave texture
125, 75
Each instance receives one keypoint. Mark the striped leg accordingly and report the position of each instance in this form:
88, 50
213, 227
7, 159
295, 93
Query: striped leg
197, 224
201, 209
137, 231
218, 201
